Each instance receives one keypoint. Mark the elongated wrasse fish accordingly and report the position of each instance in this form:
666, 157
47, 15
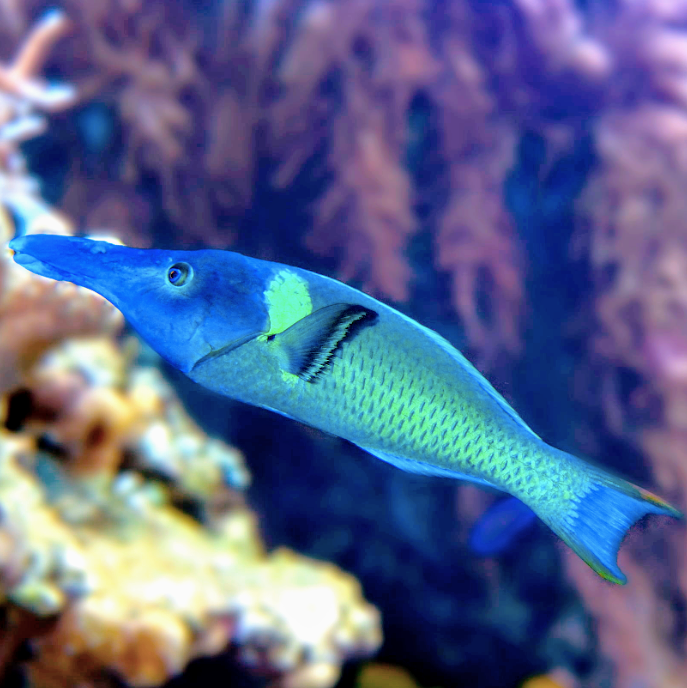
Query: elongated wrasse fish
323, 353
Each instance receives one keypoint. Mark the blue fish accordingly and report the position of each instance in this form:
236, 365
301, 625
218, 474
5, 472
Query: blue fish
330, 356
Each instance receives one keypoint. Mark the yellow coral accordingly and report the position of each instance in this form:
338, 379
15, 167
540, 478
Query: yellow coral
385, 676
556, 680
85, 396
142, 588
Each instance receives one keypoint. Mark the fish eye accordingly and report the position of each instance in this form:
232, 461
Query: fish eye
179, 274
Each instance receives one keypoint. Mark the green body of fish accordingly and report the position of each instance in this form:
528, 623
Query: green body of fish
318, 351
403, 393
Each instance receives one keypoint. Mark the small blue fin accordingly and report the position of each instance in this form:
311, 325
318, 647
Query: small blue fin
500, 527
597, 525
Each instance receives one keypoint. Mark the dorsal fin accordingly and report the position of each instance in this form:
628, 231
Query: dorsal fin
310, 343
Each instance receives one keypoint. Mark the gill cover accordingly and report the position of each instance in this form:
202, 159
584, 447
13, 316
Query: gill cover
185, 304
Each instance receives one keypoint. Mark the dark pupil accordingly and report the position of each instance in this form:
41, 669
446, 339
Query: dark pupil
174, 275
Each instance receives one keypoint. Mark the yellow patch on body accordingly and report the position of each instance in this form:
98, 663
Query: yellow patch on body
288, 301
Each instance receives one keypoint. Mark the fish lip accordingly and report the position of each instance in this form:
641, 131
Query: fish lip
24, 259
44, 268
37, 266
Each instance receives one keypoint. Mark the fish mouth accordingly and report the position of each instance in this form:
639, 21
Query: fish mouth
31, 252
33, 264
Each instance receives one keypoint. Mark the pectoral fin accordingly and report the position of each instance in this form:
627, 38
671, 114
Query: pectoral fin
308, 345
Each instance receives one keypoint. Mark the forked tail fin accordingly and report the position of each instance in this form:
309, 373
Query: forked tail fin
596, 526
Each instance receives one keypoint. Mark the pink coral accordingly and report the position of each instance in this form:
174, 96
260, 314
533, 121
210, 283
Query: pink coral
135, 53
634, 626
372, 197
631, 221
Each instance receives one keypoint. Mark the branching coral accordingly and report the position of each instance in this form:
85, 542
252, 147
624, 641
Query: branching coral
635, 208
636, 627
544, 47
476, 243
384, 58
144, 62
23, 94
373, 200
632, 220
632, 223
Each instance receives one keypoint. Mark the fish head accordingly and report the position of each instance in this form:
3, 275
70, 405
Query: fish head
188, 305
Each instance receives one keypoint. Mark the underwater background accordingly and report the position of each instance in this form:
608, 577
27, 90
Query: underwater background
510, 173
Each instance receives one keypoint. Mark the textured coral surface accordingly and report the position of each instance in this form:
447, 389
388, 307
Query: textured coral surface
139, 588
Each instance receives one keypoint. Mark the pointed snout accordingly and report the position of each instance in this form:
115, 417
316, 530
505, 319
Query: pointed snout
59, 257
89, 263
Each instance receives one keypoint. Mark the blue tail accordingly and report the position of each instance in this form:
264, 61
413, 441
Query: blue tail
597, 524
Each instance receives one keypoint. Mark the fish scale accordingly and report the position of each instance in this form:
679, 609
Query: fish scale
477, 446
429, 411
316, 350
